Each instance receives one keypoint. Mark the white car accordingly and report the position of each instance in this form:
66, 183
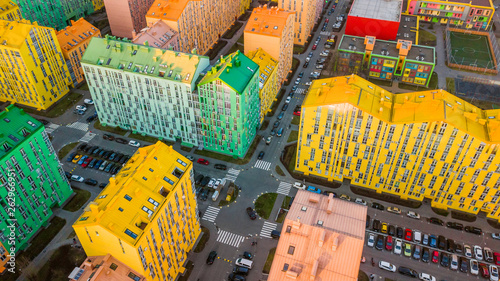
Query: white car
495, 236
360, 201
81, 107
319, 66
297, 81
398, 246
478, 253
308, 59
217, 182
77, 178
299, 185
454, 262
308, 83
211, 183
288, 99
493, 273
387, 266
467, 251
88, 101
190, 157
134, 143
426, 277
371, 241
474, 267
413, 215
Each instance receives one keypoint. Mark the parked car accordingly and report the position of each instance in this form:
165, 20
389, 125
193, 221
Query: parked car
488, 254
384, 228
445, 259
88, 101
81, 160
205, 181
483, 269
454, 262
251, 213
81, 107
474, 267
376, 225
459, 248
391, 230
478, 253
120, 140
220, 167
360, 201
313, 189
371, 240
394, 210
71, 156
493, 273
408, 234
280, 116
299, 185
407, 249
467, 251
417, 251
413, 215
380, 242
134, 143
91, 182
495, 236
426, 277
455, 225
388, 243
387, 266
261, 155
203, 161
399, 232
435, 256
464, 265
236, 277
108, 168
433, 241
408, 272
86, 162
425, 240
425, 254
441, 242
211, 257
474, 230
103, 184
285, 107
108, 137
269, 139
345, 197
398, 245
436, 221
68, 175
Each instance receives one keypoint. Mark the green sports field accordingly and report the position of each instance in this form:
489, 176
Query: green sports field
471, 50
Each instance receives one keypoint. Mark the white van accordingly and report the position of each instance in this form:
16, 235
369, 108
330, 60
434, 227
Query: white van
417, 236
244, 262
215, 196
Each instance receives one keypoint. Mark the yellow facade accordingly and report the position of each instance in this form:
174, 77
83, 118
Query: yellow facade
32, 69
272, 30
74, 39
419, 145
147, 216
200, 23
98, 4
304, 19
268, 80
9, 10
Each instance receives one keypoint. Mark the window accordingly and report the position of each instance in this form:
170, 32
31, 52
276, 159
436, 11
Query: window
120, 209
285, 267
130, 233
128, 197
102, 196
84, 218
113, 266
152, 201
168, 180
291, 249
133, 276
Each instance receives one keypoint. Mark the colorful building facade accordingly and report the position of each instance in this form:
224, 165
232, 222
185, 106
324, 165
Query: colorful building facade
305, 18
127, 16
144, 89
98, 4
475, 14
33, 70
30, 175
272, 29
9, 10
147, 216
422, 145
74, 39
229, 105
158, 35
104, 268
268, 84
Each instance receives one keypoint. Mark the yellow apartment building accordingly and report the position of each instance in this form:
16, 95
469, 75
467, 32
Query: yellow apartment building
98, 4
32, 68
200, 23
422, 145
74, 39
304, 19
9, 10
147, 216
268, 83
272, 30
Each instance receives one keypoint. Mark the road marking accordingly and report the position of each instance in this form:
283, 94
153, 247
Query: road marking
87, 137
267, 228
229, 238
210, 214
284, 188
232, 174
79, 126
52, 127
300, 90
264, 165
325, 33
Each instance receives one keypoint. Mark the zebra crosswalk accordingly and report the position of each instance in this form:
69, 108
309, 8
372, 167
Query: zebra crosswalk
229, 238
326, 33
87, 137
284, 188
210, 214
300, 90
264, 165
232, 174
267, 228
51, 128
79, 126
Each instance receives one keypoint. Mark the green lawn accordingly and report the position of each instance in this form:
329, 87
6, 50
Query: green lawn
231, 159
223, 202
298, 49
295, 120
241, 39
81, 197
214, 51
203, 240
294, 135
84, 86
114, 130
44, 237
234, 28
279, 171
383, 83
269, 261
450, 85
264, 125
61, 263
185, 148
264, 204
426, 38
65, 103
66, 149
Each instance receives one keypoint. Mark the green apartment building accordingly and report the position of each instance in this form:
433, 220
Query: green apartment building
28, 163
229, 105
55, 13
144, 89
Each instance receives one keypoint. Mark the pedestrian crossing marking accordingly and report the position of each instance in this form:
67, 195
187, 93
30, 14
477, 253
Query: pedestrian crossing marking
229, 238
284, 188
300, 90
267, 228
87, 137
79, 126
232, 174
51, 128
210, 214
264, 165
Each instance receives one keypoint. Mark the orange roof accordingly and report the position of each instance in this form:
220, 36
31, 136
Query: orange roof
76, 33
268, 21
322, 239
167, 9
97, 268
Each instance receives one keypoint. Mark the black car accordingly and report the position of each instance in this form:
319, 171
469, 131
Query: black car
103, 184
408, 272
113, 156
96, 151
392, 230
251, 213
464, 265
450, 245
115, 169
247, 255
261, 155
376, 225
220, 167
102, 153
108, 137
276, 124
81, 147
205, 181
399, 232
378, 206
89, 148
120, 140
91, 182
436, 221
236, 277
301, 74
458, 248
425, 254
306, 64
441, 242
455, 225
368, 220
92, 163
198, 179
91, 118
211, 257
68, 175
240, 270
379, 244
445, 259
285, 107
204, 194
107, 154
474, 230
124, 159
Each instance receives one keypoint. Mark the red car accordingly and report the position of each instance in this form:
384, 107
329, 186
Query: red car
297, 113
408, 234
435, 257
314, 47
496, 256
202, 161
388, 243
327, 20
483, 268
86, 162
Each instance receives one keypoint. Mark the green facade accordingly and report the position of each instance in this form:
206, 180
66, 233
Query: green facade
229, 105
31, 171
55, 13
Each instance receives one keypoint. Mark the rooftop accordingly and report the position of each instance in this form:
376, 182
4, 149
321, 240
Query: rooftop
97, 268
167, 9
483, 3
13, 33
407, 28
235, 70
405, 108
267, 65
352, 43
127, 204
114, 53
267, 21
159, 35
322, 239
16, 126
76, 33
389, 10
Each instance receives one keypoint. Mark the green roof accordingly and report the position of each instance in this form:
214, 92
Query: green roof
110, 52
235, 70
16, 126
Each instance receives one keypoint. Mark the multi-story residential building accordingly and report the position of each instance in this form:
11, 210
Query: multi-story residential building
97, 268
74, 39
229, 105
98, 4
272, 30
322, 239
144, 89
127, 16
9, 10
32, 68
469, 14
199, 34
31, 177
422, 145
147, 216
158, 35
305, 18
55, 13
387, 60
4, 257
268, 84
